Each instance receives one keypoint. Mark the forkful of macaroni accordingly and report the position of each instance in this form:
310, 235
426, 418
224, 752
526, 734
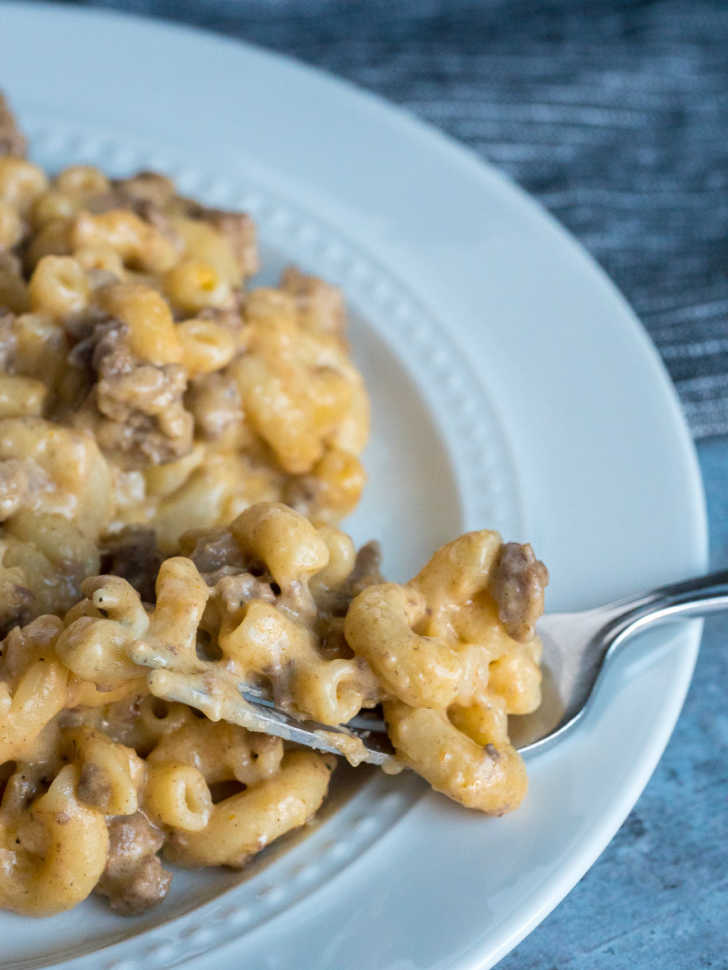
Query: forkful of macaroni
452, 656
575, 649
123, 717
294, 634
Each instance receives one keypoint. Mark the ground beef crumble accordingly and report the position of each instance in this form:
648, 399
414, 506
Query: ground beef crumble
133, 555
136, 407
214, 401
134, 879
316, 300
517, 585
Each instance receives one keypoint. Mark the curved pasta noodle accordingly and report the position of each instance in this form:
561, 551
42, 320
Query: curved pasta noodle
140, 245
59, 287
243, 824
67, 848
39, 694
177, 795
422, 671
452, 671
490, 778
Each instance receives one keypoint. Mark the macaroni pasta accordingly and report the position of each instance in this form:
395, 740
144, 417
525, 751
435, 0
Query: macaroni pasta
127, 322
175, 450
111, 689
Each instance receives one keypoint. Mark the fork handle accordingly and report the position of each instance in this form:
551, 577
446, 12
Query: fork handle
691, 597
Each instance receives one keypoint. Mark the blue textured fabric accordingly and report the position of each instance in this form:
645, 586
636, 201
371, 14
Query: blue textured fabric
614, 113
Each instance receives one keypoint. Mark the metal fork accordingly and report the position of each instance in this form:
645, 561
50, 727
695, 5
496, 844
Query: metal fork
576, 646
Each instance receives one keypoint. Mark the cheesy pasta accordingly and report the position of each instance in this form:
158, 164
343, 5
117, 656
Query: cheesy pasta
126, 318
176, 448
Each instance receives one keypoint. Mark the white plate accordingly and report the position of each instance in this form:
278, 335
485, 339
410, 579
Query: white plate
513, 388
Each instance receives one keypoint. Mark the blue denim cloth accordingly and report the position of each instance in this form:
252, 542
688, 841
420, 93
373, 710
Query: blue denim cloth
614, 113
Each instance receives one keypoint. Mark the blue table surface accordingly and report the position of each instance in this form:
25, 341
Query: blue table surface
658, 896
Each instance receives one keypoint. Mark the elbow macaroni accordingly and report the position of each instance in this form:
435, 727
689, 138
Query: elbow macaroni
169, 399
275, 601
149, 400
145, 335
452, 672
53, 852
